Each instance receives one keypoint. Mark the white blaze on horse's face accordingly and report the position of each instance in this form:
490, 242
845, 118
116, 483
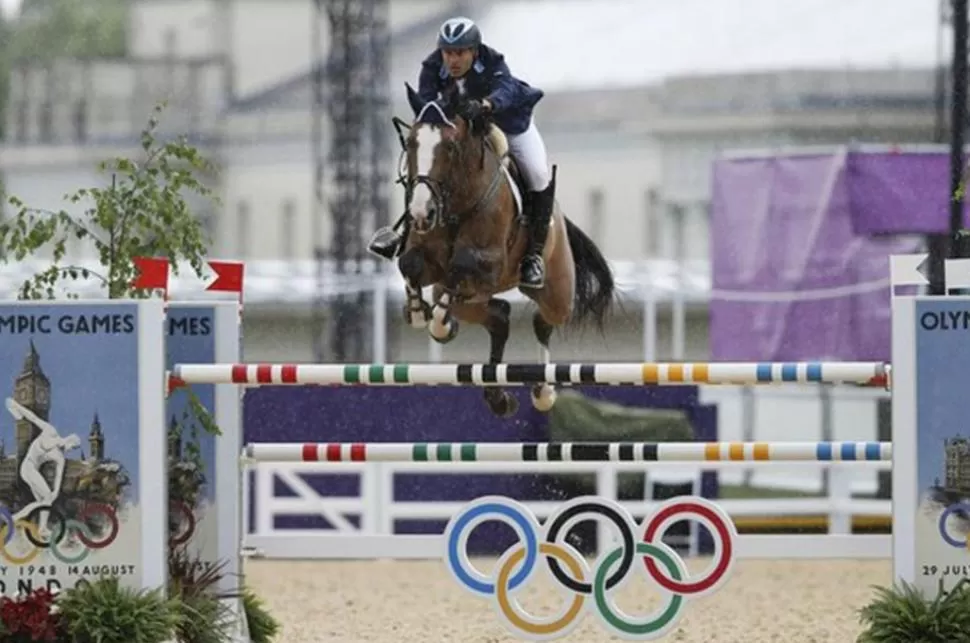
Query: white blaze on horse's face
422, 201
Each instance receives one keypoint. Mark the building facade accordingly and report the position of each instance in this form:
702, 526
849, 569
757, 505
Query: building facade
634, 159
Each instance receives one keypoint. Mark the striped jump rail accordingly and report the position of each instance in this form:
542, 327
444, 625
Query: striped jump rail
569, 452
863, 373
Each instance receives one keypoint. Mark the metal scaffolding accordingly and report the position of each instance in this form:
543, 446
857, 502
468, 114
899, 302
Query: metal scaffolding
350, 89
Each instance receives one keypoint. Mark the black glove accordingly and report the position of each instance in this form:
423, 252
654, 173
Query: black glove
472, 110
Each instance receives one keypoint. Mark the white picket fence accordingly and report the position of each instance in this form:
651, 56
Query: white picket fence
768, 414
378, 510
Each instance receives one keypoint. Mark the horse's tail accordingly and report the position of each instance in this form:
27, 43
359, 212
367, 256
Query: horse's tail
595, 286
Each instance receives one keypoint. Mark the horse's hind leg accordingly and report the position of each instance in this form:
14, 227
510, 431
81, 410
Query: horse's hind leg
494, 316
543, 395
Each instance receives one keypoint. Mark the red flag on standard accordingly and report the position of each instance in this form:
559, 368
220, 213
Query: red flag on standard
229, 276
152, 272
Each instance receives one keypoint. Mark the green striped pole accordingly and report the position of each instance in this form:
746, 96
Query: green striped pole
570, 452
864, 373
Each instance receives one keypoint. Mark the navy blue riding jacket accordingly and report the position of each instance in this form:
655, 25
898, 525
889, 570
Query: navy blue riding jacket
489, 77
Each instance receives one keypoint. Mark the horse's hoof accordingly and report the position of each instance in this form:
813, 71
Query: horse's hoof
503, 404
543, 397
443, 327
417, 318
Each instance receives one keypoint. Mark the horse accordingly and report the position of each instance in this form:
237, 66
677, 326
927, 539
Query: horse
466, 237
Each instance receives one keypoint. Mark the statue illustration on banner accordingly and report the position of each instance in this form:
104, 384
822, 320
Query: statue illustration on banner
69, 446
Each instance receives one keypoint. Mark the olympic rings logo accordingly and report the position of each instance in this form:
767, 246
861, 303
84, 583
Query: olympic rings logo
963, 507
517, 566
71, 540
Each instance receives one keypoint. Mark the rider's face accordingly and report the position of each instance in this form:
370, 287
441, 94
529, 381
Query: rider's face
458, 61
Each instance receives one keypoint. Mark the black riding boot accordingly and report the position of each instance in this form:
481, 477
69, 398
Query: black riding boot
385, 243
533, 273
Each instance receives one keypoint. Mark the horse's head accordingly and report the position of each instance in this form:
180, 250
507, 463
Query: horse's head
436, 147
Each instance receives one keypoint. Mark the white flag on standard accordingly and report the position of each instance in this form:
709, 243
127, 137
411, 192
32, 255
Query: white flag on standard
957, 273
908, 270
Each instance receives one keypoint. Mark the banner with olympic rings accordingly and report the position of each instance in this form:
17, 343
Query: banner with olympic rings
204, 501
942, 442
590, 588
80, 449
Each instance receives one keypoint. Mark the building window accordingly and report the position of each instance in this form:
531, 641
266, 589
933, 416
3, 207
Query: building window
677, 215
702, 233
596, 200
288, 229
242, 230
106, 112
22, 132
171, 42
651, 227
45, 122
81, 121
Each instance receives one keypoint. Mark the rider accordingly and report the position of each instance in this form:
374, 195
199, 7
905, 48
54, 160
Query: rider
481, 75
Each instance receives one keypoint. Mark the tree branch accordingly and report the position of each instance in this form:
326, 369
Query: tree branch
74, 222
90, 273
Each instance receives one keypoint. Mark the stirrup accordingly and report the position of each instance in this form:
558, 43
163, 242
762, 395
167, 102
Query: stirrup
385, 250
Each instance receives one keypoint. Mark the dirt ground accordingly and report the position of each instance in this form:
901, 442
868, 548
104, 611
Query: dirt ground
767, 601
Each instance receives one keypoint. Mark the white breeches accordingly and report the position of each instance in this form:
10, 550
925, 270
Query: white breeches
529, 152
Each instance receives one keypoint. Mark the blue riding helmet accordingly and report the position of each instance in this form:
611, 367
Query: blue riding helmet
459, 33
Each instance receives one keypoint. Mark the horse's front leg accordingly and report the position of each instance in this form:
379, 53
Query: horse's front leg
412, 264
444, 324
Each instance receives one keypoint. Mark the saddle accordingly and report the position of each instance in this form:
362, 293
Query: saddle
495, 138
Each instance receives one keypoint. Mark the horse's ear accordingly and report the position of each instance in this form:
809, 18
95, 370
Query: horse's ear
414, 100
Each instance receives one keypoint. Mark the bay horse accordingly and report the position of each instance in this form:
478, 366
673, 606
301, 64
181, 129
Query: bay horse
466, 238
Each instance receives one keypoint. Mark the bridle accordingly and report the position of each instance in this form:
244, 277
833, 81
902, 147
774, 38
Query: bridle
441, 194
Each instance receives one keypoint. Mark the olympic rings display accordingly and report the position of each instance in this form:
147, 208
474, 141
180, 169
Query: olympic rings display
962, 507
611, 570
70, 541
53, 516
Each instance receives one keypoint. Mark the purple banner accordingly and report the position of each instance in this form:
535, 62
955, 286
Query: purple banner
900, 193
793, 279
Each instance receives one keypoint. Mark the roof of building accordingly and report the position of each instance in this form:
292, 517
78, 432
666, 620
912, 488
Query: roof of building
579, 45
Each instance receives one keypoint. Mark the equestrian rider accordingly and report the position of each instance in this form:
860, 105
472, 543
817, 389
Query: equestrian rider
481, 75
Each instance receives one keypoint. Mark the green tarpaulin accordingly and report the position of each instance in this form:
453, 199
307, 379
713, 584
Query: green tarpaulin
575, 418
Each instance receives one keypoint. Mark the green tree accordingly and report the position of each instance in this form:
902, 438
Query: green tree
144, 211
49, 29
